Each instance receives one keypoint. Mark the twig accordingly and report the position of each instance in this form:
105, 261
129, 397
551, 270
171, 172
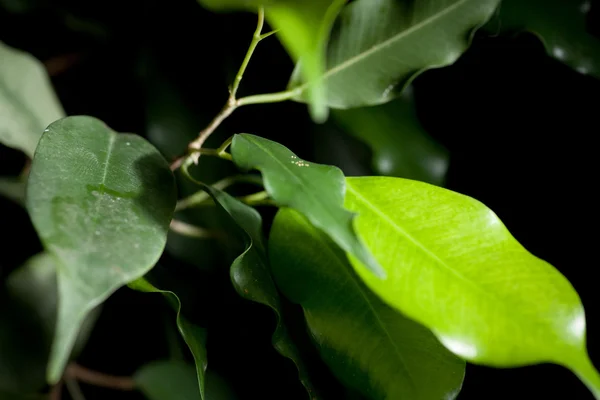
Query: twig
95, 378
202, 198
74, 389
232, 102
185, 229
56, 392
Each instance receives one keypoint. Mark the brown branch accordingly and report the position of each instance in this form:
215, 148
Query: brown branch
95, 378
56, 392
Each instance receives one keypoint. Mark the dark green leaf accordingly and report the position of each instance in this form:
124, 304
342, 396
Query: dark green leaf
400, 144
368, 345
194, 336
251, 277
316, 191
304, 28
101, 203
27, 101
560, 25
168, 380
454, 267
379, 46
28, 319
171, 380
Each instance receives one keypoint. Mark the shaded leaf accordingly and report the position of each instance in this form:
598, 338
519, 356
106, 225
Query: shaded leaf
560, 25
101, 203
315, 190
251, 277
28, 319
172, 380
166, 380
454, 267
304, 28
369, 345
400, 144
193, 335
27, 100
377, 47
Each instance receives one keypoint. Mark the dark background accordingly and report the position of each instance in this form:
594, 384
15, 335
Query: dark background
520, 127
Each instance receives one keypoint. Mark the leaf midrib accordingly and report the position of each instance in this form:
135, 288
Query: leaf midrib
510, 310
363, 294
298, 178
381, 45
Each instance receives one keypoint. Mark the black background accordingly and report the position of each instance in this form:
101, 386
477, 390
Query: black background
520, 127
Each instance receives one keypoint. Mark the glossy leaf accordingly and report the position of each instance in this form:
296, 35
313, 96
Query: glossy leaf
28, 319
27, 100
303, 28
315, 190
454, 267
172, 380
251, 277
560, 25
101, 203
193, 335
368, 345
379, 46
400, 144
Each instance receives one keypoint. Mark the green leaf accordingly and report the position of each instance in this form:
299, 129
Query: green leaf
101, 203
400, 144
303, 28
172, 380
315, 190
560, 25
193, 335
28, 319
379, 46
454, 267
368, 345
166, 380
251, 277
27, 100
13, 189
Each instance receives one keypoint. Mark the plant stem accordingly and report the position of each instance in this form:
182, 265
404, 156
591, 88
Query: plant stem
231, 104
202, 198
256, 38
189, 230
269, 97
56, 392
256, 199
76, 371
74, 389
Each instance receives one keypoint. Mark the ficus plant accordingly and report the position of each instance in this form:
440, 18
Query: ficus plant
382, 285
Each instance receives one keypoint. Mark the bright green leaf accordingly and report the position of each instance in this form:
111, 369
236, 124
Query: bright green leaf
368, 345
400, 144
27, 100
315, 190
560, 25
28, 319
251, 277
101, 203
379, 46
193, 335
172, 380
454, 267
304, 28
